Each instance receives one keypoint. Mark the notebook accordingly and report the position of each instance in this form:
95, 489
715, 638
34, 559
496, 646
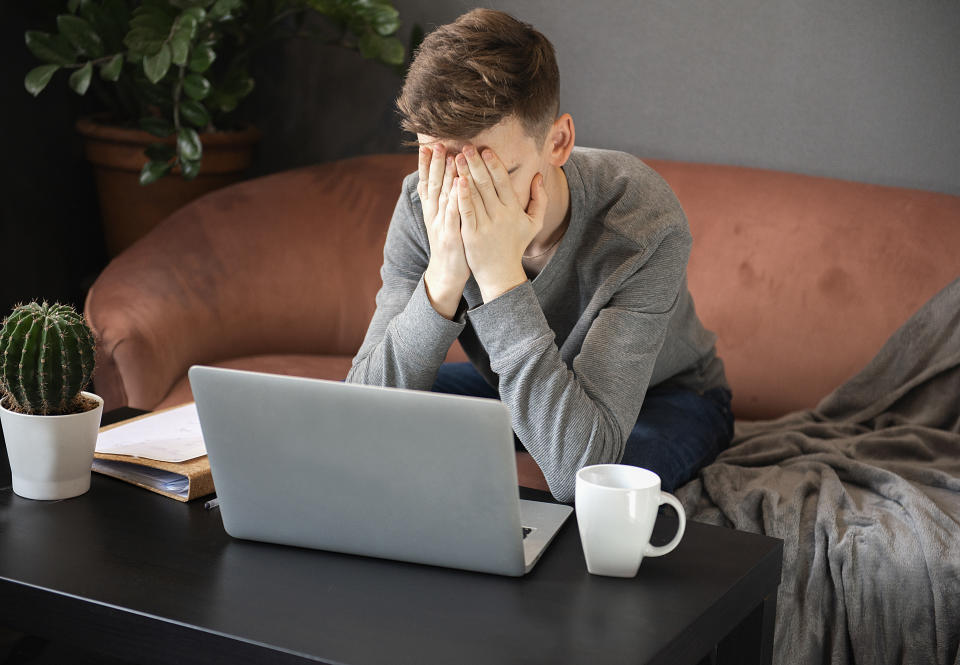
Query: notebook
160, 451
381, 472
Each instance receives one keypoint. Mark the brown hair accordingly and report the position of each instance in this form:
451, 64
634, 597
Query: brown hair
469, 75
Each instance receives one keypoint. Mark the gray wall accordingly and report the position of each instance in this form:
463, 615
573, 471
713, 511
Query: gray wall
865, 90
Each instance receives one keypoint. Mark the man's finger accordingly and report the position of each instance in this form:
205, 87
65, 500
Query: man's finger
449, 173
442, 201
452, 212
471, 186
500, 177
437, 163
537, 207
423, 165
465, 202
469, 163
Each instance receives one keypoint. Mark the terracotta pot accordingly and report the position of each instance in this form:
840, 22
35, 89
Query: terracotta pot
128, 209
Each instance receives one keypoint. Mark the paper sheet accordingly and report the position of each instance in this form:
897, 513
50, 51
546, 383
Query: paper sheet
171, 436
145, 475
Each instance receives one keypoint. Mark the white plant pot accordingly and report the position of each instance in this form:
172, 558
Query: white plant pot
51, 456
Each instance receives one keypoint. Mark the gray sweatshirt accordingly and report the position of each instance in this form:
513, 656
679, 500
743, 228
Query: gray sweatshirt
573, 351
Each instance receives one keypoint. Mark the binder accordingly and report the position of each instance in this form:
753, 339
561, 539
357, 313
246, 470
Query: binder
183, 481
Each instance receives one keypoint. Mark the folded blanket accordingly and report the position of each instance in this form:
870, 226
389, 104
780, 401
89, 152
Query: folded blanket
865, 492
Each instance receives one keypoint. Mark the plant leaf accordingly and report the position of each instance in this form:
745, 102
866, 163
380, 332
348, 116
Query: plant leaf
153, 171
109, 19
188, 144
221, 9
391, 51
110, 70
201, 58
196, 86
142, 42
157, 66
149, 27
187, 24
243, 87
157, 126
80, 79
180, 48
190, 168
38, 78
53, 49
156, 24
197, 13
81, 34
236, 85
163, 6
195, 113
386, 20
370, 44
222, 100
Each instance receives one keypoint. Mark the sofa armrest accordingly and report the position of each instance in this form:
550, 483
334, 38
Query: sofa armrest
287, 263
147, 336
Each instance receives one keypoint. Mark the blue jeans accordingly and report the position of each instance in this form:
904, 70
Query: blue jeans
677, 432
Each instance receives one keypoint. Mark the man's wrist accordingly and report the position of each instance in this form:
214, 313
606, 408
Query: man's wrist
495, 286
443, 297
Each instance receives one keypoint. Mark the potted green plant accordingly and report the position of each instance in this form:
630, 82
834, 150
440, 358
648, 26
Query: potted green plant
50, 423
171, 75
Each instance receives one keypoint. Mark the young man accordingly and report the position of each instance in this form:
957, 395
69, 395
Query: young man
561, 270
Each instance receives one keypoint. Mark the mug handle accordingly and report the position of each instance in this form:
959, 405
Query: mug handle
654, 550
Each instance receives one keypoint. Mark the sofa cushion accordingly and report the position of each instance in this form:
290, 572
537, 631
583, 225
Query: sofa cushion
315, 367
804, 278
334, 368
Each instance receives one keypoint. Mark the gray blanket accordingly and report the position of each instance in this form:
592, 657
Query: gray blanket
865, 492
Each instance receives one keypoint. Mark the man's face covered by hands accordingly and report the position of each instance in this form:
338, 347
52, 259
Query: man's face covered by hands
484, 201
515, 149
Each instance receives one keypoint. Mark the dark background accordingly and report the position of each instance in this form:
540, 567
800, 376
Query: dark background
52, 245
52, 240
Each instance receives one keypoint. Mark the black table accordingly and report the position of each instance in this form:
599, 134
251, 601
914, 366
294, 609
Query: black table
138, 576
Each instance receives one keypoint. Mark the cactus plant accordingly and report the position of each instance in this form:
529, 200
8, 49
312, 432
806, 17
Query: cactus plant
46, 358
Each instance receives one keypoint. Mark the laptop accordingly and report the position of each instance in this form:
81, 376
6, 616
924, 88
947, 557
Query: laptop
382, 472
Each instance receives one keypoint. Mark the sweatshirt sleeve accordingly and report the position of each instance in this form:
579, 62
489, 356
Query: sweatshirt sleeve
407, 339
570, 418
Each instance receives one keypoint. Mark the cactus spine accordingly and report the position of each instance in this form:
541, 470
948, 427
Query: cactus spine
46, 358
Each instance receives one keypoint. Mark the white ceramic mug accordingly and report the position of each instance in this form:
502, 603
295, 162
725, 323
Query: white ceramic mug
616, 506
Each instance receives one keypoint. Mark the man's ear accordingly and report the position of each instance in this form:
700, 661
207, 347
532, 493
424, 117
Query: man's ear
560, 139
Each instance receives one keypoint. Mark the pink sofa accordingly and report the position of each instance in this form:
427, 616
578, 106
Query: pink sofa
802, 279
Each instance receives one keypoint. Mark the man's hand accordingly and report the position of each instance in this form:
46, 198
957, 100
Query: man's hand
447, 271
496, 230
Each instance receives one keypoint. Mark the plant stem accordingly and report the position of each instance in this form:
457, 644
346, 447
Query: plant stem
176, 98
95, 61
